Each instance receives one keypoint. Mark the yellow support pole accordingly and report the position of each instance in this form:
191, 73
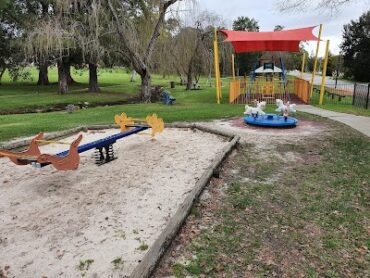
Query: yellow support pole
315, 63
325, 66
217, 67
233, 65
303, 63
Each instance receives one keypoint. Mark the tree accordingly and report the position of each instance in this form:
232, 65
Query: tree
11, 56
20, 16
244, 23
69, 35
278, 28
90, 36
190, 48
356, 48
5, 50
338, 67
330, 66
138, 25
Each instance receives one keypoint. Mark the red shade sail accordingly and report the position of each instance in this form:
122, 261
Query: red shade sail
286, 40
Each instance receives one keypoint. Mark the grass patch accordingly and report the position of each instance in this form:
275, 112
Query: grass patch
115, 86
178, 270
308, 218
84, 265
117, 262
143, 246
190, 105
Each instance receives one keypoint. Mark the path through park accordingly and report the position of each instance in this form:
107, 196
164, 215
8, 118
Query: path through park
360, 123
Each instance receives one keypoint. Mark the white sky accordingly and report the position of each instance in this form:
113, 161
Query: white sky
267, 15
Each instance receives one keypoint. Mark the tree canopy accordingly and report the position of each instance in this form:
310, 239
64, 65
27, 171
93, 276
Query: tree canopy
244, 23
356, 48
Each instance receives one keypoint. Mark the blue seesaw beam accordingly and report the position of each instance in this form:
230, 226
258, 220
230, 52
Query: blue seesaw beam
99, 143
106, 141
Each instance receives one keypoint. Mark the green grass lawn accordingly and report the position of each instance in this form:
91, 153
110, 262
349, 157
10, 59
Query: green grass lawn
115, 85
190, 105
287, 209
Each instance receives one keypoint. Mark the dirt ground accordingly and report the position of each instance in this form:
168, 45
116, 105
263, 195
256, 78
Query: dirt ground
97, 221
281, 207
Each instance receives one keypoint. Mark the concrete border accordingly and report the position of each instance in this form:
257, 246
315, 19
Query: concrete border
151, 259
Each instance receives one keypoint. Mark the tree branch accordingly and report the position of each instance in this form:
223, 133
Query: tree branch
138, 64
155, 35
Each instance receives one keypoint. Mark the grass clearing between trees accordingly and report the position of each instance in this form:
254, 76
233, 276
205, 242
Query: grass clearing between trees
190, 105
116, 87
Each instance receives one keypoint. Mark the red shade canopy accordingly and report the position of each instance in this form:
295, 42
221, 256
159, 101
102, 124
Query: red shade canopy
286, 40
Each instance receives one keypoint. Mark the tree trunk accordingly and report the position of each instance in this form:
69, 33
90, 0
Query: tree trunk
1, 74
63, 77
43, 75
141, 63
146, 93
93, 78
68, 71
189, 84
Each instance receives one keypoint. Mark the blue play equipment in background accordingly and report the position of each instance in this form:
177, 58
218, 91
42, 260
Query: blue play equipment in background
270, 120
167, 98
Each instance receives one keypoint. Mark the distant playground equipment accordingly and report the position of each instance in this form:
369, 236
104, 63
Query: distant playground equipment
267, 82
167, 98
256, 116
70, 159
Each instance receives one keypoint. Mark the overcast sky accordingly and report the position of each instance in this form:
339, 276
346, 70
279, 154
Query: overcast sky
267, 15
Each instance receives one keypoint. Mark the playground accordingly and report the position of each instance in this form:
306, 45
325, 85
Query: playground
228, 179
53, 223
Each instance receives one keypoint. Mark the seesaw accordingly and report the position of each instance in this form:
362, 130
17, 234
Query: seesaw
70, 159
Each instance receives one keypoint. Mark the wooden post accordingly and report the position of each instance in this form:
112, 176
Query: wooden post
323, 78
303, 64
315, 63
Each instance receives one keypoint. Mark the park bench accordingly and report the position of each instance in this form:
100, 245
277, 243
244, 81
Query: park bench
331, 93
167, 98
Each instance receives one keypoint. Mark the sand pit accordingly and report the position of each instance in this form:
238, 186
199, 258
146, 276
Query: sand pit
98, 221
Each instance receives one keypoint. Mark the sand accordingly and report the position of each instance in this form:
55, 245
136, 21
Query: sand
52, 223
